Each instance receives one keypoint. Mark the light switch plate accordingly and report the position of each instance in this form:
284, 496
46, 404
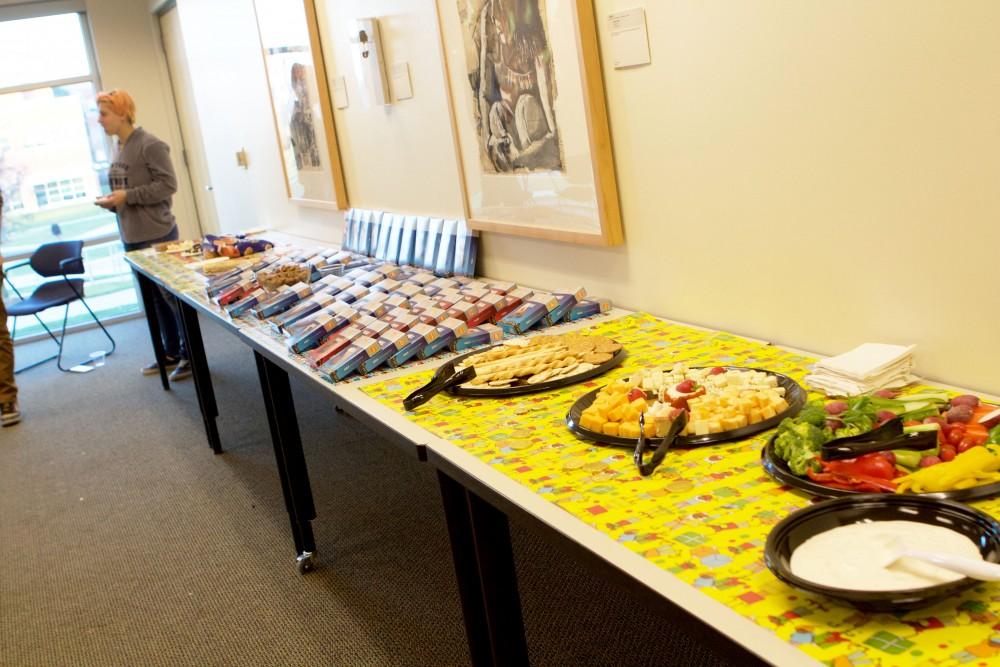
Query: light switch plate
401, 87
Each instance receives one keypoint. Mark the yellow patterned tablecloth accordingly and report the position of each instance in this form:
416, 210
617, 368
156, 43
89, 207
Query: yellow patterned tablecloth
705, 514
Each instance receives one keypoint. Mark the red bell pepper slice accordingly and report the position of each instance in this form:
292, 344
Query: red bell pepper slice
852, 482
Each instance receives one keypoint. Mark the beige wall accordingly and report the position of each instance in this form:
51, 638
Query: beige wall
813, 173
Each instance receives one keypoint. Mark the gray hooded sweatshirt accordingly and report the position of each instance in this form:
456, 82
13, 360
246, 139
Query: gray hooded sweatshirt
144, 171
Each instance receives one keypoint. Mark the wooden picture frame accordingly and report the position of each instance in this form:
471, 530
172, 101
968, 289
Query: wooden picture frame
300, 103
529, 119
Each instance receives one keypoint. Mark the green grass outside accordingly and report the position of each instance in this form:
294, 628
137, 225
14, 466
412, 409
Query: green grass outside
28, 230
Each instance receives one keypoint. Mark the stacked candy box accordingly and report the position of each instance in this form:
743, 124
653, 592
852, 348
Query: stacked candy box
378, 314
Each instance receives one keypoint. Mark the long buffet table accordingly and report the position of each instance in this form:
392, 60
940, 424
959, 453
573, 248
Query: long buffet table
691, 535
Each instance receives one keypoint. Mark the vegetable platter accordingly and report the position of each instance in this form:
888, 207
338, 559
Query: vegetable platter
926, 443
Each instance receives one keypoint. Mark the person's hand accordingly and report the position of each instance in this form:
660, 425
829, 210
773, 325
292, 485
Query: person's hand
112, 201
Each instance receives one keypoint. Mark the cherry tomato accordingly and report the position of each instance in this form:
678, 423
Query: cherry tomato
947, 453
955, 436
685, 386
966, 445
718, 370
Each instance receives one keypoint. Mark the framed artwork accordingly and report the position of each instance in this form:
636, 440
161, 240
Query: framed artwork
300, 100
531, 127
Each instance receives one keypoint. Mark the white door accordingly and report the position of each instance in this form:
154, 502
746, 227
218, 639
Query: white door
194, 147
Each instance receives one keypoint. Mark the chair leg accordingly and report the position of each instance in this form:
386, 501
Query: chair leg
51, 335
108, 335
62, 339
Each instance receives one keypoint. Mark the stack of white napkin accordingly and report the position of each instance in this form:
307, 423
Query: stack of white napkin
866, 368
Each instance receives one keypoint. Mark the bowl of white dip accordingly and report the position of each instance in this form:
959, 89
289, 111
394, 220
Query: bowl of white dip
846, 549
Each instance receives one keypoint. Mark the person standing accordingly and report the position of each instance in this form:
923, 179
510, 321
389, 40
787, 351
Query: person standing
10, 414
142, 187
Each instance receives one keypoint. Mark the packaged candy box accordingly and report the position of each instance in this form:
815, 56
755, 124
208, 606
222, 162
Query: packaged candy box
232, 246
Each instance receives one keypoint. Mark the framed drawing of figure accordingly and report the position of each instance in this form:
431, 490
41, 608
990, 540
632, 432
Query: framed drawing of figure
300, 100
527, 104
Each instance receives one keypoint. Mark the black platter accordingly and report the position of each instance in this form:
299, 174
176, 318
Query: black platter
778, 469
799, 526
795, 395
496, 392
446, 378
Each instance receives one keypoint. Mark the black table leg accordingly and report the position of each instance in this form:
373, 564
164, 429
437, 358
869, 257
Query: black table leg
199, 370
487, 581
145, 292
290, 459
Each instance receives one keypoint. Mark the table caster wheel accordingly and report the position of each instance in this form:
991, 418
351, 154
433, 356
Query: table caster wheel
304, 562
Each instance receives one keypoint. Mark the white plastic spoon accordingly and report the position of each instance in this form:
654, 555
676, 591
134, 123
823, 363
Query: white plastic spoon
992, 415
970, 567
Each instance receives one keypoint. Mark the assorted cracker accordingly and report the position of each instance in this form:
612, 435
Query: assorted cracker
539, 359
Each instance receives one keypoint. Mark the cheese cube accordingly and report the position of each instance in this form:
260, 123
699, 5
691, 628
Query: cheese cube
629, 430
699, 427
591, 422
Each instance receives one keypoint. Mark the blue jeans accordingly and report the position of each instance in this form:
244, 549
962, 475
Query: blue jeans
171, 332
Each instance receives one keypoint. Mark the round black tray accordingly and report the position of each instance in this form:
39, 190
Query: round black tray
802, 524
795, 395
499, 392
778, 469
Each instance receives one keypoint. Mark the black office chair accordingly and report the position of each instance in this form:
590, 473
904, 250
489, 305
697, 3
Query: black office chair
63, 258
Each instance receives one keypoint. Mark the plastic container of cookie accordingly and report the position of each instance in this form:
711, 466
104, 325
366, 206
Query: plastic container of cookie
522, 366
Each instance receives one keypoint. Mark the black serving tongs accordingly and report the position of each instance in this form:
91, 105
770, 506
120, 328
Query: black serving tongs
886, 437
444, 377
646, 468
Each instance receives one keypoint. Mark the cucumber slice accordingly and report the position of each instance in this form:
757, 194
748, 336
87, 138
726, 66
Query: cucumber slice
922, 428
933, 396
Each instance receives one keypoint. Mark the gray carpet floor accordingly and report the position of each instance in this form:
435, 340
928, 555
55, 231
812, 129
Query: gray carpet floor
125, 541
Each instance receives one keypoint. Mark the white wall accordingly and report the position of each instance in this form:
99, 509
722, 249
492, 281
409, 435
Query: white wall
399, 157
813, 173
229, 82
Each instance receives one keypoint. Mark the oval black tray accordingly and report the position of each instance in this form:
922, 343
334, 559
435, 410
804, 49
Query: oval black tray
499, 392
778, 469
795, 395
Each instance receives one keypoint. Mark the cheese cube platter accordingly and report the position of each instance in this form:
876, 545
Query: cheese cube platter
721, 403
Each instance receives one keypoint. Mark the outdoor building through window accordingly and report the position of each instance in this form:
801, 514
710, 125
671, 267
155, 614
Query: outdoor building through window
54, 159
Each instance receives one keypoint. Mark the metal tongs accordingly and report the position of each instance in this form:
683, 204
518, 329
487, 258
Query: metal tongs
443, 378
886, 437
646, 468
